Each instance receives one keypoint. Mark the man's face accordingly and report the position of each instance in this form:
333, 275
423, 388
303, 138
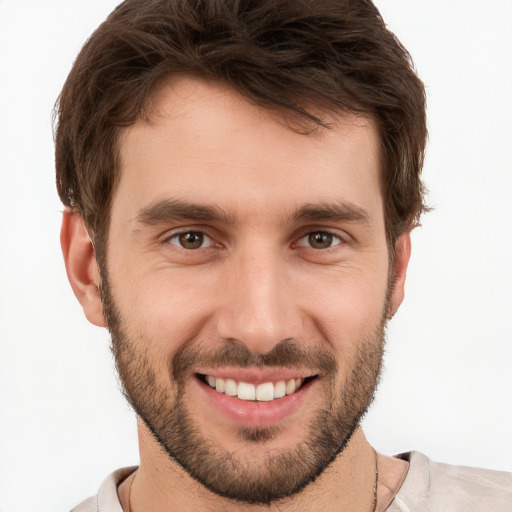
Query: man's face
249, 257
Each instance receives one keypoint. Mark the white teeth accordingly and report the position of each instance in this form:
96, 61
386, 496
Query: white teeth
264, 392
246, 391
279, 389
290, 387
220, 385
230, 387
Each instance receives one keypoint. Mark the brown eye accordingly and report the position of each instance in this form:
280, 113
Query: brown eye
319, 240
190, 240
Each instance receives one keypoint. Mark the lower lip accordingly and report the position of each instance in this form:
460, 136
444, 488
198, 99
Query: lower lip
255, 414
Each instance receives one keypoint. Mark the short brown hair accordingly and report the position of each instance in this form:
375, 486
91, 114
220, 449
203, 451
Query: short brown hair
277, 53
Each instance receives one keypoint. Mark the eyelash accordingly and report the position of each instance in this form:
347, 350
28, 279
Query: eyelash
177, 236
335, 239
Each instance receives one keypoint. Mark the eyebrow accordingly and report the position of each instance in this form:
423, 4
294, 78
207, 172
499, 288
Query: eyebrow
173, 209
338, 212
166, 210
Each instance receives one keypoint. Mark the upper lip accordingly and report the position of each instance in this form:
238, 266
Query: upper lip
257, 375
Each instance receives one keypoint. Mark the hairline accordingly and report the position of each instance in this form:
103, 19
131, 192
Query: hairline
292, 119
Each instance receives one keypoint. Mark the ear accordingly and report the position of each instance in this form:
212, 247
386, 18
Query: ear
402, 256
81, 266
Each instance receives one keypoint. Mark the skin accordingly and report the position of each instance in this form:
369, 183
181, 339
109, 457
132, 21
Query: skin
256, 279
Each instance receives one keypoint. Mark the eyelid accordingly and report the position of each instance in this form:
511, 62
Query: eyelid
337, 240
175, 233
342, 237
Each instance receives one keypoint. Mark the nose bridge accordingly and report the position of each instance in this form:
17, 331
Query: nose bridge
258, 309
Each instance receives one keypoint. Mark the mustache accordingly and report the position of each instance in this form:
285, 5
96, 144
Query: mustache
287, 353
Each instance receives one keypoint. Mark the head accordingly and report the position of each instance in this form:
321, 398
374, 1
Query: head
301, 58
241, 179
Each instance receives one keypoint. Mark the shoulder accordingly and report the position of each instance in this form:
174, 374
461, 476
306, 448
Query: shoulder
434, 486
471, 487
106, 500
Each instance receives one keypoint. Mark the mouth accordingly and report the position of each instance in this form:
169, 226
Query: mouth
268, 391
256, 397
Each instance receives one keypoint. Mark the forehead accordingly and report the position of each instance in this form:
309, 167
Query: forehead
205, 140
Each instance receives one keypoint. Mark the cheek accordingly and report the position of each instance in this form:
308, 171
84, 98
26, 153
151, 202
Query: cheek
168, 309
350, 305
171, 307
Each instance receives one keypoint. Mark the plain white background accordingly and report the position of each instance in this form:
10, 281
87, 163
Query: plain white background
447, 386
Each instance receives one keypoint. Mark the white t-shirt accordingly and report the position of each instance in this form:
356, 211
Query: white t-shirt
428, 487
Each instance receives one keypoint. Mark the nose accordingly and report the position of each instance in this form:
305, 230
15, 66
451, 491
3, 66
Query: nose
260, 304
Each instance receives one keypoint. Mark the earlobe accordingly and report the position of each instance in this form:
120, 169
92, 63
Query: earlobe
402, 256
81, 266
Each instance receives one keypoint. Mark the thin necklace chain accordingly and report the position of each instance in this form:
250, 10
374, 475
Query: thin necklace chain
375, 485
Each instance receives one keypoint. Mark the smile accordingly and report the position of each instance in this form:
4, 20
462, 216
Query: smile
264, 392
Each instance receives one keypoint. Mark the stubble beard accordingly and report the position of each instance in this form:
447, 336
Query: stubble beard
236, 475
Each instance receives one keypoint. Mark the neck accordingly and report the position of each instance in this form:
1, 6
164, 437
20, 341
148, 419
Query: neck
347, 484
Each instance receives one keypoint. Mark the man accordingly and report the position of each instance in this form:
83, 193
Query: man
241, 180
